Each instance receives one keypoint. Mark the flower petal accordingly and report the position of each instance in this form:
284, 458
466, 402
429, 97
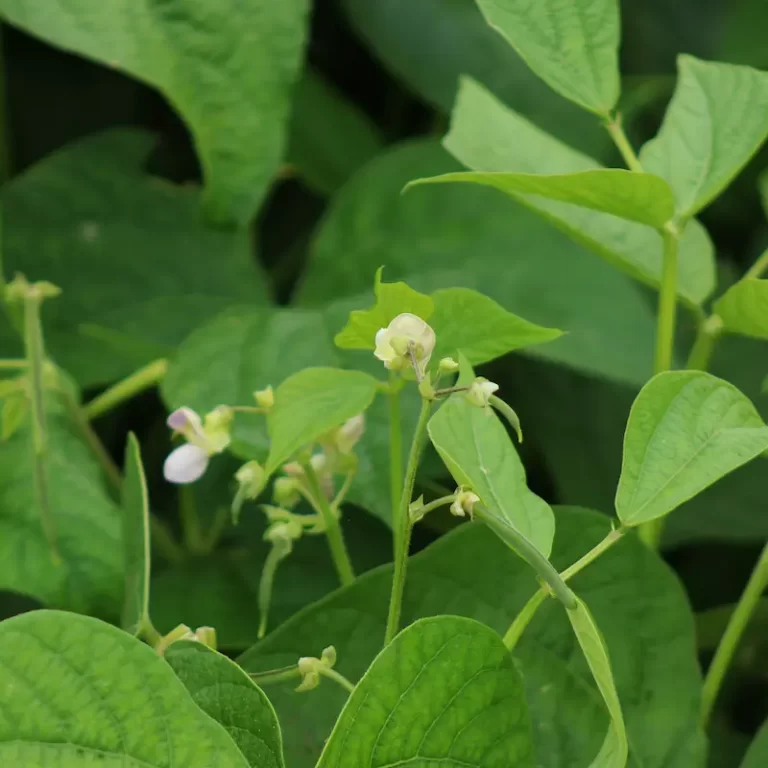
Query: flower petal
185, 464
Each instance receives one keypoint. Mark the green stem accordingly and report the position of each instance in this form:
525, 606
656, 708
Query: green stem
13, 364
129, 387
708, 333
338, 500
395, 448
443, 501
277, 552
746, 606
760, 266
337, 677
402, 522
332, 528
616, 132
275, 675
221, 519
593, 553
192, 532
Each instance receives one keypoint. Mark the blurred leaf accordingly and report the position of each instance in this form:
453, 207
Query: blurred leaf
392, 299
486, 136
685, 431
479, 454
613, 753
573, 48
233, 88
638, 197
135, 516
743, 33
636, 600
329, 137
442, 236
91, 705
716, 121
154, 270
225, 693
743, 308
445, 691
757, 755
431, 43
479, 328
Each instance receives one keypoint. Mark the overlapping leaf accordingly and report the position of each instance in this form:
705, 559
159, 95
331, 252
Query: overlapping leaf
743, 308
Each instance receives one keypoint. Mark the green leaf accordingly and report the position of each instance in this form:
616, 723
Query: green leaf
573, 47
232, 88
135, 514
312, 402
329, 137
155, 271
480, 137
89, 576
479, 454
446, 235
716, 121
444, 692
758, 751
686, 430
743, 308
469, 322
105, 699
638, 197
225, 692
613, 753
636, 599
392, 299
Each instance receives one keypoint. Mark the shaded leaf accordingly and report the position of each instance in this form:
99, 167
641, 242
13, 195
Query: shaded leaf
573, 47
225, 692
744, 308
758, 751
445, 690
233, 88
685, 431
481, 138
716, 121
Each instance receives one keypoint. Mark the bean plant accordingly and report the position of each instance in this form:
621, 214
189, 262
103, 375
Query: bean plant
524, 636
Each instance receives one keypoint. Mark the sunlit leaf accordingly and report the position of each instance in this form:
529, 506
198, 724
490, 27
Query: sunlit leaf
743, 308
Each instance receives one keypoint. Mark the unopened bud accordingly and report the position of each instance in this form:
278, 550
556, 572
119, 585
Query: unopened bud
464, 503
349, 433
251, 478
448, 365
480, 391
265, 398
206, 636
285, 492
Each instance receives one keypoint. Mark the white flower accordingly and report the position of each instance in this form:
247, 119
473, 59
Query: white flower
464, 503
404, 334
186, 464
350, 432
480, 391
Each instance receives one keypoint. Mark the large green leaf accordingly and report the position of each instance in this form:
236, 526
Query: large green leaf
685, 431
636, 600
233, 88
487, 136
226, 693
479, 454
639, 197
135, 514
613, 753
573, 47
312, 402
716, 121
442, 236
105, 699
154, 270
758, 751
430, 44
88, 577
444, 692
744, 308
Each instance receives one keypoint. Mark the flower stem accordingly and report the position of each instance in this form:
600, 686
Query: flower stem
616, 132
402, 522
443, 501
708, 333
760, 266
395, 448
748, 601
192, 532
129, 387
338, 678
332, 528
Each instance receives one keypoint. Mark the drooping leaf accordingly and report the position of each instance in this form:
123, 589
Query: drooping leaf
613, 753
716, 121
329, 137
443, 236
233, 88
445, 691
488, 137
312, 402
639, 197
573, 47
135, 514
685, 431
392, 299
758, 751
105, 699
744, 308
482, 330
225, 692
636, 600
155, 271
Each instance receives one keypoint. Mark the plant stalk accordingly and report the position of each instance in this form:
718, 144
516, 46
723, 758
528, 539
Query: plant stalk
760, 266
616, 132
395, 449
129, 387
704, 345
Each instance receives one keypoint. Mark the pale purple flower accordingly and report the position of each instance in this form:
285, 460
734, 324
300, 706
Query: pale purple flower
186, 464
